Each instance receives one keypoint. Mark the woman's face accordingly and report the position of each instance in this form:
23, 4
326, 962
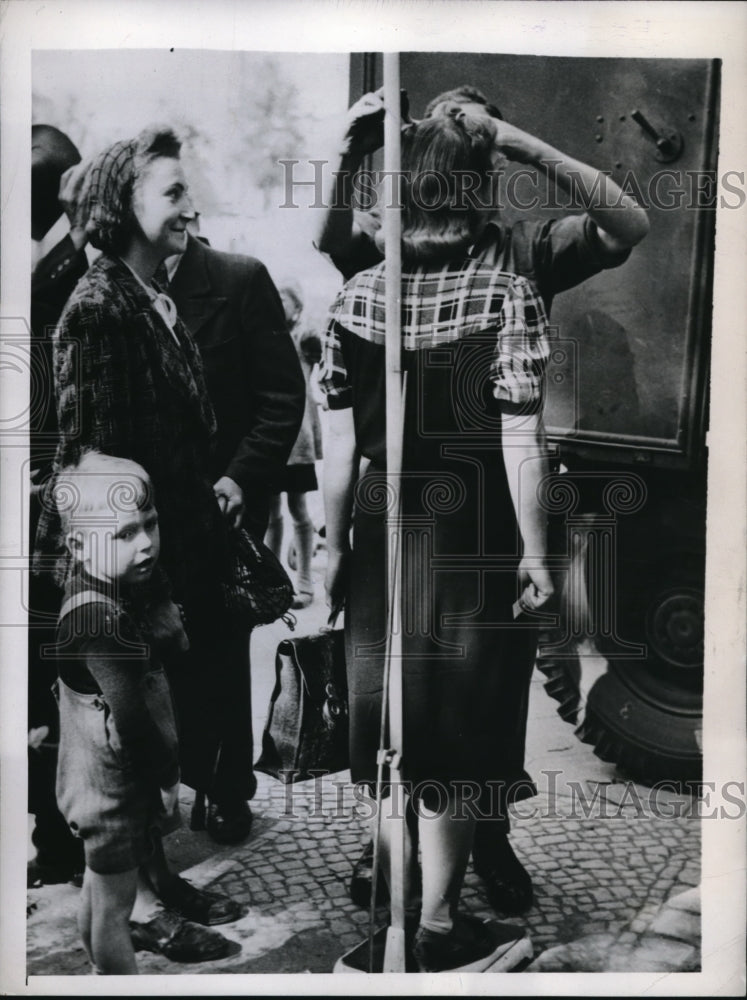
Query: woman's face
162, 206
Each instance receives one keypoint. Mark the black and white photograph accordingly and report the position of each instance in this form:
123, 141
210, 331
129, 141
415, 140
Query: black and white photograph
373, 502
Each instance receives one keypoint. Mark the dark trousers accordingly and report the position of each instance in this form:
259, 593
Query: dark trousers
55, 844
212, 694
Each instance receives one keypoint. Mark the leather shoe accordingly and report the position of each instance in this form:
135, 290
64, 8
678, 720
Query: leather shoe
38, 874
177, 939
507, 882
472, 945
229, 822
199, 905
361, 880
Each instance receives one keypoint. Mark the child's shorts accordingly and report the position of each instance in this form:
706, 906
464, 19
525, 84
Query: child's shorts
103, 801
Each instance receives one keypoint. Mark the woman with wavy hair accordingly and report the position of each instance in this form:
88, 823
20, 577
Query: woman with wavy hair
474, 348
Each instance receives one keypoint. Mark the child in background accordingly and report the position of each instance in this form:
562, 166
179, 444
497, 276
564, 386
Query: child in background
118, 770
299, 476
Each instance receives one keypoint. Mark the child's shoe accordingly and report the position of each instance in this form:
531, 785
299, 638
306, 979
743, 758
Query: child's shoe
177, 939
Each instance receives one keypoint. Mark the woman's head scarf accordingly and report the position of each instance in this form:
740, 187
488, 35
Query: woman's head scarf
107, 199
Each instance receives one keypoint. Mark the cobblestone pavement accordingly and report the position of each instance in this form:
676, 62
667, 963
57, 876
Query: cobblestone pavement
669, 943
593, 876
602, 867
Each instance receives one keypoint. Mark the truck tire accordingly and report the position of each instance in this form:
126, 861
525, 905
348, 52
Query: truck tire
645, 715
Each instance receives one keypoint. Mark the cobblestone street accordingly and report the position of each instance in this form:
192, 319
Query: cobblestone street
603, 862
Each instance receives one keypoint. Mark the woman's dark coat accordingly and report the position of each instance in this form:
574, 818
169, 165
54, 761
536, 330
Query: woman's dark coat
126, 387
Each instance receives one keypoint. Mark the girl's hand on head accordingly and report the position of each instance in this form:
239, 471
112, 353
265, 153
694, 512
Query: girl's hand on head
513, 143
365, 123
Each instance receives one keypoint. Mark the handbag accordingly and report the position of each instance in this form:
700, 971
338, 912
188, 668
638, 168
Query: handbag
306, 733
259, 590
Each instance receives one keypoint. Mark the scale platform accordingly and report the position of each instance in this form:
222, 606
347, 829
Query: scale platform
513, 954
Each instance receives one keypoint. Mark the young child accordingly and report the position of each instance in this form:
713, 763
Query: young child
118, 770
299, 475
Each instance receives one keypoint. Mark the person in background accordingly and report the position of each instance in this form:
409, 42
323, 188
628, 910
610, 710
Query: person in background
56, 273
59, 855
231, 307
299, 475
554, 255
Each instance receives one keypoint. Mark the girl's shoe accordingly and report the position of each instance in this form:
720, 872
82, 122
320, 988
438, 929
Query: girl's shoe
508, 884
472, 945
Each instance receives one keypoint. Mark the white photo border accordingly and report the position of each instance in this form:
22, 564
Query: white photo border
638, 29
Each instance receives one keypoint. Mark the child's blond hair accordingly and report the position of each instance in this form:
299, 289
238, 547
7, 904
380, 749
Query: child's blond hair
98, 485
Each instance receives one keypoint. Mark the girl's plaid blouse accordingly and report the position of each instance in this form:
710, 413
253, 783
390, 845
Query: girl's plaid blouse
439, 307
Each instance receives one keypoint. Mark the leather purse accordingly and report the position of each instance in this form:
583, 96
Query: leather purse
306, 733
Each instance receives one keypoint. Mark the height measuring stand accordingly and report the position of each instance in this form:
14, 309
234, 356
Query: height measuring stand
391, 755
387, 953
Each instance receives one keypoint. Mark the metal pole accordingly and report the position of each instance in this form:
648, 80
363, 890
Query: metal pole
394, 953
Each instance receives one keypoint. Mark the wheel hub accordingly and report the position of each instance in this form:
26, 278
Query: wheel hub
676, 629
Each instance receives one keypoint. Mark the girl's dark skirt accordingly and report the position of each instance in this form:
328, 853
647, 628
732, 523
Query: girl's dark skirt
466, 663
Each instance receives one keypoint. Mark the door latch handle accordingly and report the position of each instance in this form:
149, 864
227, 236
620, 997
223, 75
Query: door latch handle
668, 141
